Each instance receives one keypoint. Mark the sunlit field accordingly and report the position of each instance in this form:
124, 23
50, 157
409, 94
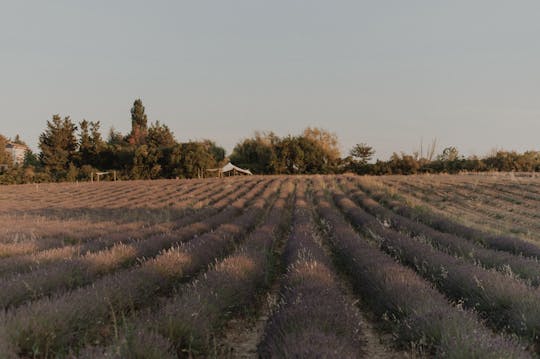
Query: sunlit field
272, 267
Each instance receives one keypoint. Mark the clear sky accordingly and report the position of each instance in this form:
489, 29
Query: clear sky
388, 73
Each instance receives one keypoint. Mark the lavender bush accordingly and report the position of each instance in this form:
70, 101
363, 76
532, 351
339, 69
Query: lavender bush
51, 326
499, 242
314, 319
527, 269
505, 303
418, 316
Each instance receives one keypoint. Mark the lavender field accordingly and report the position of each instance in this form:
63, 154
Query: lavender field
272, 267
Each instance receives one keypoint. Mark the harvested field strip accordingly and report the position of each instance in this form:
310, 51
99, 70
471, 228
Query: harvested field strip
418, 316
520, 198
484, 196
314, 318
229, 287
468, 215
523, 186
527, 269
473, 200
496, 220
70, 274
532, 197
39, 244
505, 303
490, 202
53, 325
398, 205
526, 190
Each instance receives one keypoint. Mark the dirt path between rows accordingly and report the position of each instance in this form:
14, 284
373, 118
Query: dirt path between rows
244, 334
377, 346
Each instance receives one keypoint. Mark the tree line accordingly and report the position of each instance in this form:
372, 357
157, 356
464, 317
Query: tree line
317, 151
72, 152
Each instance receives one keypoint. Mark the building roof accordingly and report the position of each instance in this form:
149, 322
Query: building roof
16, 145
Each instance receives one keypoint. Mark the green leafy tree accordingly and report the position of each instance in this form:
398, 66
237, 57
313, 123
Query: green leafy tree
72, 173
146, 163
115, 153
300, 154
362, 153
358, 159
196, 158
91, 146
449, 154
97, 139
403, 164
160, 136
115, 138
31, 159
316, 158
171, 161
97, 145
327, 142
58, 145
85, 144
257, 154
217, 152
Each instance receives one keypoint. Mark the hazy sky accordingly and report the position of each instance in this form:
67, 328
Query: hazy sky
388, 73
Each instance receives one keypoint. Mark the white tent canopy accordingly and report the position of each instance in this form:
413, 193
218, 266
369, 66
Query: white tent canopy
230, 168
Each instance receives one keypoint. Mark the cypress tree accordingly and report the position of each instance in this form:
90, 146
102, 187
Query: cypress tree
139, 124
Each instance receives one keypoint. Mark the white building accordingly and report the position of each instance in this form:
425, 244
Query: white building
17, 152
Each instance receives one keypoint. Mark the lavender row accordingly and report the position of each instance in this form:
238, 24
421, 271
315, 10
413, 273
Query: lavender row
131, 243
86, 239
50, 327
79, 271
85, 213
415, 313
505, 303
232, 285
314, 319
499, 242
527, 269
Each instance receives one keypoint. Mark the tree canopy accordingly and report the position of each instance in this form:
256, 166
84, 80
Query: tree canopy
58, 145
